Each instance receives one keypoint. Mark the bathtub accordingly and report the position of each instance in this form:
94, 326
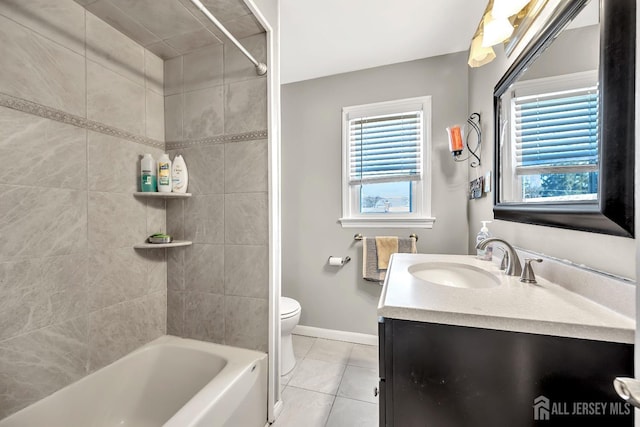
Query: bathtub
170, 382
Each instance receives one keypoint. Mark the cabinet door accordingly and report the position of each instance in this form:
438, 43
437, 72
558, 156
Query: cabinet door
450, 376
382, 408
385, 361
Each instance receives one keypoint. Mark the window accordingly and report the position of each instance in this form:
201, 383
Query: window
554, 153
385, 178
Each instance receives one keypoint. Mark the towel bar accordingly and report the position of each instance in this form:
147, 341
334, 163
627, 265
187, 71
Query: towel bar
359, 236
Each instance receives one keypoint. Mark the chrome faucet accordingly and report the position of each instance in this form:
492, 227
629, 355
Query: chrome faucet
513, 262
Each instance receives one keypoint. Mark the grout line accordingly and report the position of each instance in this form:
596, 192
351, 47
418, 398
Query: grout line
145, 97
182, 101
356, 400
224, 193
333, 402
87, 284
312, 391
109, 67
44, 36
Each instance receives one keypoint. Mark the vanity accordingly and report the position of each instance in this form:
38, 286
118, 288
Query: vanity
463, 344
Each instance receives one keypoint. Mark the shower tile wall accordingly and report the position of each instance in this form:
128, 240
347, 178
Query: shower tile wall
74, 295
218, 288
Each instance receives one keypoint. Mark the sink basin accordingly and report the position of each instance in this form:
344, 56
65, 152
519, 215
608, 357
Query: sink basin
454, 275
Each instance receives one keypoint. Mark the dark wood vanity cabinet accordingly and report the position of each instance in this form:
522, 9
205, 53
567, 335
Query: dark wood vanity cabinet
434, 375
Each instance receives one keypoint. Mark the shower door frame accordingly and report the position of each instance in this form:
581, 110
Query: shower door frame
274, 401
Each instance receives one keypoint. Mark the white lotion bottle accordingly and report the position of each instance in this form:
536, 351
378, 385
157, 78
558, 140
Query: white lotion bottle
487, 253
164, 174
179, 175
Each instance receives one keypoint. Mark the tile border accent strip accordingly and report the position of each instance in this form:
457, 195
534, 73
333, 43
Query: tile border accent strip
36, 109
220, 139
50, 113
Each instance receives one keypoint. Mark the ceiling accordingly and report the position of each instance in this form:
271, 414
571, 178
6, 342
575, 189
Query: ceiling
171, 28
325, 37
318, 38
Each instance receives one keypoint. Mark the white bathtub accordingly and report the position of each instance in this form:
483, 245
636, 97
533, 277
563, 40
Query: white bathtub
170, 382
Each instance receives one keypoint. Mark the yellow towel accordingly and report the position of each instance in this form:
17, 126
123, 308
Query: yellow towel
386, 245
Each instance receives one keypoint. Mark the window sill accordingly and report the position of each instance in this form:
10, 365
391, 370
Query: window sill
419, 222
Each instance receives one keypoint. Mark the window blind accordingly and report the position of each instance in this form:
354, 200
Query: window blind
557, 132
385, 148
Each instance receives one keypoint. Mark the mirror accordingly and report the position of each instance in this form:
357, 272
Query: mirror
564, 122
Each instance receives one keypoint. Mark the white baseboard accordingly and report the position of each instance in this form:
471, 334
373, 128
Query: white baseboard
332, 334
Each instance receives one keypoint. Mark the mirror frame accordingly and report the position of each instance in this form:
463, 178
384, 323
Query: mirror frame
613, 213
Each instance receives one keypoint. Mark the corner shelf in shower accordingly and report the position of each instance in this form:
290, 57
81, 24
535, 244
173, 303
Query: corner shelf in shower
174, 244
158, 195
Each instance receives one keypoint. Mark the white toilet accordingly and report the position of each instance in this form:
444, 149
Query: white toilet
289, 317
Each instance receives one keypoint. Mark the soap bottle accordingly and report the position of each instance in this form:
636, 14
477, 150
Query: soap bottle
487, 253
179, 175
147, 174
164, 174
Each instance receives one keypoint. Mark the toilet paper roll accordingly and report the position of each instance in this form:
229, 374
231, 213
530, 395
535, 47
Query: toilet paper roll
336, 260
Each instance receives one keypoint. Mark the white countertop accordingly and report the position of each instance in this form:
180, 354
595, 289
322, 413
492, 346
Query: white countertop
544, 308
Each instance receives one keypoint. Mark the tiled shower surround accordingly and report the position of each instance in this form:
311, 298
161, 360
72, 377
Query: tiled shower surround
218, 288
79, 105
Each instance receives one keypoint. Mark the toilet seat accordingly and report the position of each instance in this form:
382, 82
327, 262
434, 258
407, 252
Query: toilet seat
288, 307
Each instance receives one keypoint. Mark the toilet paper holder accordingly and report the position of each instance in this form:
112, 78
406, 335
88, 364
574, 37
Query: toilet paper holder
338, 261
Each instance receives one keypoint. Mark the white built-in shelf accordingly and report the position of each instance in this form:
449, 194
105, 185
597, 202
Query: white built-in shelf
158, 195
174, 244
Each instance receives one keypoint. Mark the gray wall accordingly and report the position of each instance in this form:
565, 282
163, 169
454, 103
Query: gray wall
216, 116
572, 51
610, 254
335, 298
74, 295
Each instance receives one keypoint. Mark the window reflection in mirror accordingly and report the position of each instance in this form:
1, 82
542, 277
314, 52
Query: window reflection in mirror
549, 120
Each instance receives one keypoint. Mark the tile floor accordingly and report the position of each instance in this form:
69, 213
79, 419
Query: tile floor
331, 385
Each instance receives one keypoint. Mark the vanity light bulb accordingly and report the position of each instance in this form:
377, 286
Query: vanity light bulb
455, 140
507, 8
496, 30
478, 55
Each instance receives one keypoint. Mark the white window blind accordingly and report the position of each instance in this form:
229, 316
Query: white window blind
385, 148
556, 132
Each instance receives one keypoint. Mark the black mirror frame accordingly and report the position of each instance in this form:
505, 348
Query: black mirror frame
613, 213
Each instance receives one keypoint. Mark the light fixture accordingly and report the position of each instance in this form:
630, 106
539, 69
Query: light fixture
478, 55
495, 27
495, 30
462, 136
507, 8
455, 140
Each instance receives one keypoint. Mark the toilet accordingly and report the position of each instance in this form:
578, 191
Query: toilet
289, 317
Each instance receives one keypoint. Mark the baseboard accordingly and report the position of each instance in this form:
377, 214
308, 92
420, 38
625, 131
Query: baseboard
332, 334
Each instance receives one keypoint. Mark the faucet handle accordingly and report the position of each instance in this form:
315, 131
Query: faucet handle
527, 272
505, 259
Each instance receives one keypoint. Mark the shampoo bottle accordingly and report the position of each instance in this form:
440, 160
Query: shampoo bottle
147, 174
179, 175
164, 174
487, 253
